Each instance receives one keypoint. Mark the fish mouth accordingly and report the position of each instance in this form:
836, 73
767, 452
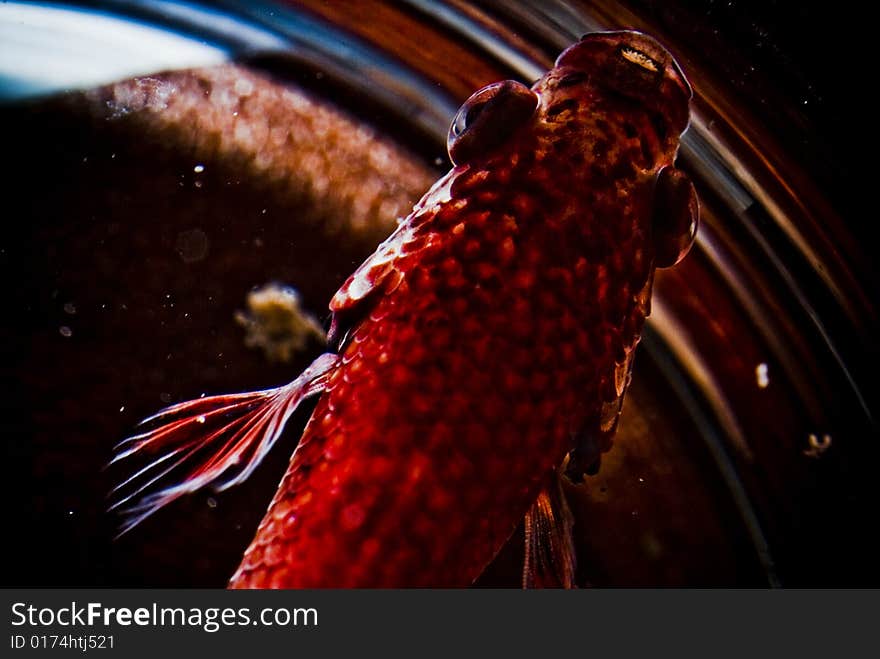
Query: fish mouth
639, 58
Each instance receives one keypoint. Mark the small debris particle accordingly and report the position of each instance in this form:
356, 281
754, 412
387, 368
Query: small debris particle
762, 376
276, 323
817, 446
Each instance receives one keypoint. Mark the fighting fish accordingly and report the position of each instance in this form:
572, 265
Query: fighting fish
478, 357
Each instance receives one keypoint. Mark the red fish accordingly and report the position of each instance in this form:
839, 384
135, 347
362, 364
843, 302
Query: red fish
480, 353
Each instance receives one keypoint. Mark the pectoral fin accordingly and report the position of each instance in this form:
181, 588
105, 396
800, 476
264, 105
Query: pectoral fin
217, 441
676, 216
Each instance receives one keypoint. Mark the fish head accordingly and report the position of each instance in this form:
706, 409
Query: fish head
618, 75
634, 66
617, 103
598, 135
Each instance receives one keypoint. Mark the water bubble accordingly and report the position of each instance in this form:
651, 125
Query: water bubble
192, 245
122, 409
200, 418
70, 308
65, 331
198, 184
198, 169
212, 502
165, 397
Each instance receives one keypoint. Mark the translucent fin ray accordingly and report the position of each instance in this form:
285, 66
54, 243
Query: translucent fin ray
216, 440
550, 560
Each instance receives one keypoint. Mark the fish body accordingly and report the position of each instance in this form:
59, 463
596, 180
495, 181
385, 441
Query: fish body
490, 337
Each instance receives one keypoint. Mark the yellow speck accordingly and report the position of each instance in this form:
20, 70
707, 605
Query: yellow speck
817, 445
761, 375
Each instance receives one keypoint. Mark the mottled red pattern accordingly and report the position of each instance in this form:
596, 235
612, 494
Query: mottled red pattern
492, 330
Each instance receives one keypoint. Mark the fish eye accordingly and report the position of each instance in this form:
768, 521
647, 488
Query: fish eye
488, 118
465, 119
639, 58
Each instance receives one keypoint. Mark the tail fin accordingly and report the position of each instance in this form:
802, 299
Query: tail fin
216, 441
